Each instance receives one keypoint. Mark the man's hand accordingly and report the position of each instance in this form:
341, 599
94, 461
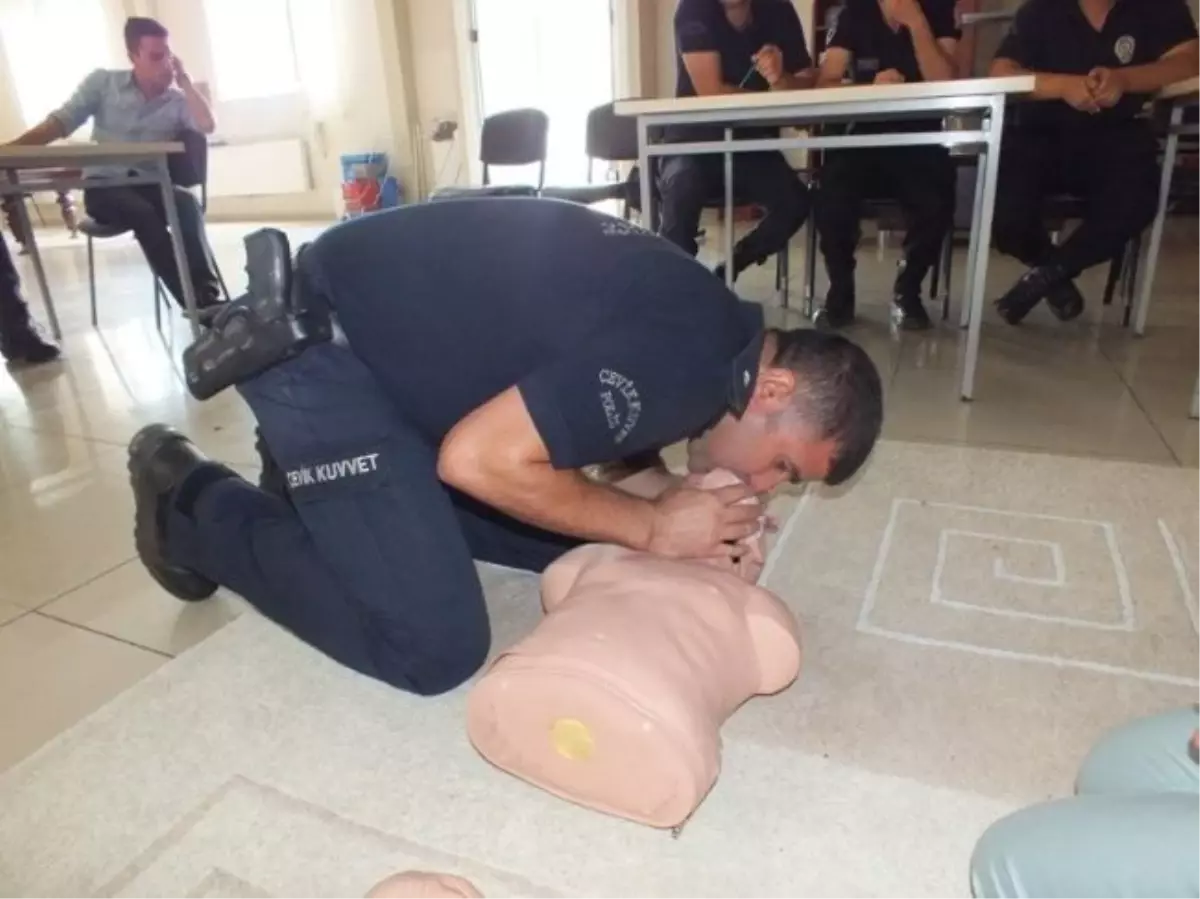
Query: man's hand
889, 76
181, 75
906, 13
1107, 86
690, 523
1077, 93
769, 62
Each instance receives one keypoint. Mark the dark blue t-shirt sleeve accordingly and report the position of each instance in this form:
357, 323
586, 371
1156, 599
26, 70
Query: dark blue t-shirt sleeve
845, 30
631, 388
1173, 25
791, 39
1022, 43
695, 30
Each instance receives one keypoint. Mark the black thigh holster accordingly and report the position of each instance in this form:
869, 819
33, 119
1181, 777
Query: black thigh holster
275, 321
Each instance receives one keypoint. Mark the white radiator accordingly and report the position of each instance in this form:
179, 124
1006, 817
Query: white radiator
261, 168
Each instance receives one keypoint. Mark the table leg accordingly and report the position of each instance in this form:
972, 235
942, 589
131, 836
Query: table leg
728, 210
964, 311
983, 242
181, 263
647, 198
22, 216
1164, 192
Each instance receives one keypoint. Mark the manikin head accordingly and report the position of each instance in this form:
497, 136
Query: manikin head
814, 415
149, 53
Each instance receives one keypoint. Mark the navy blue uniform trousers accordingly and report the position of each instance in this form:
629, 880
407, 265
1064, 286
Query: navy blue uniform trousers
369, 556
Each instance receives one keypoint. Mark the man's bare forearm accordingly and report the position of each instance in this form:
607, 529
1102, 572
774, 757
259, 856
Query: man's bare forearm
47, 130
796, 81
1046, 85
198, 107
933, 63
565, 502
1153, 77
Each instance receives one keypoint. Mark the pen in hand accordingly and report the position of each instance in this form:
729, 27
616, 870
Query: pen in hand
749, 73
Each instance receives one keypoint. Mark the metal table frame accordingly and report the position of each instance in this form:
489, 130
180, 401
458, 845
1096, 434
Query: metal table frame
38, 163
1177, 98
983, 97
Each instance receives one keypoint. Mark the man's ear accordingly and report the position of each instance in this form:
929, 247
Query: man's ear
774, 390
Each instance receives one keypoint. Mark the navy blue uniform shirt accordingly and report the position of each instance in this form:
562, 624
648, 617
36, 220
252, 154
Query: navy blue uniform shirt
1055, 36
618, 341
701, 27
862, 31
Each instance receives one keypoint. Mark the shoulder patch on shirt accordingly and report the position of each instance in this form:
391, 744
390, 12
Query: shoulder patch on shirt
621, 403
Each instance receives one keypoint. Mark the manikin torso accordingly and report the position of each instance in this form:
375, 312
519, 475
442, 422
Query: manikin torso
616, 700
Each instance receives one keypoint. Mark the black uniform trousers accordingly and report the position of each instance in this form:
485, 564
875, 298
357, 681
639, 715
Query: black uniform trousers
1113, 168
140, 209
368, 556
689, 183
921, 179
15, 322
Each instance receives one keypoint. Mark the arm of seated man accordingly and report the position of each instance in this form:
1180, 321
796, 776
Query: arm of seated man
696, 39
934, 37
785, 63
1178, 63
65, 120
1027, 50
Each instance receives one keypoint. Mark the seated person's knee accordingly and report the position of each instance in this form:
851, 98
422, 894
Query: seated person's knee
682, 181
1146, 755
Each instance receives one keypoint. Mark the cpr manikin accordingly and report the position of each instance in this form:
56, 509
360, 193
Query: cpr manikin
616, 700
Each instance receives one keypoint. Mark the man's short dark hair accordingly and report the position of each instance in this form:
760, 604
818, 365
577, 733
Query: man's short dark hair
839, 392
138, 27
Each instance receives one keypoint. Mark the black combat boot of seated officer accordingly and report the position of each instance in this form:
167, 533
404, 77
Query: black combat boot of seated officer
166, 469
21, 342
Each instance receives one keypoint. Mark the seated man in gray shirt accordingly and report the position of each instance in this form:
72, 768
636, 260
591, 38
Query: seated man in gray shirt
155, 101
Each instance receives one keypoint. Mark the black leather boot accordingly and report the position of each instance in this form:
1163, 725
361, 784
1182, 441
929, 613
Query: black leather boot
1029, 290
160, 459
838, 311
908, 313
21, 340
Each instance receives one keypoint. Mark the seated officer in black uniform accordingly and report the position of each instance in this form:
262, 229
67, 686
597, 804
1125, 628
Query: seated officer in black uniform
1096, 62
724, 47
485, 351
887, 42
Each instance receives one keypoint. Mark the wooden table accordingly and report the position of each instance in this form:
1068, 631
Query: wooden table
978, 97
56, 167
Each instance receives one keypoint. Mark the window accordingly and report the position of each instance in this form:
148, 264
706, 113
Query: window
253, 49
44, 80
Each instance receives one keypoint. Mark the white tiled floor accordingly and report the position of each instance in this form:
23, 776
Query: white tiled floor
80, 621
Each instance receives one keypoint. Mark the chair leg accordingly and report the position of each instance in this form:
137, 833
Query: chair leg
1115, 272
810, 267
221, 281
91, 254
947, 271
157, 305
783, 273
